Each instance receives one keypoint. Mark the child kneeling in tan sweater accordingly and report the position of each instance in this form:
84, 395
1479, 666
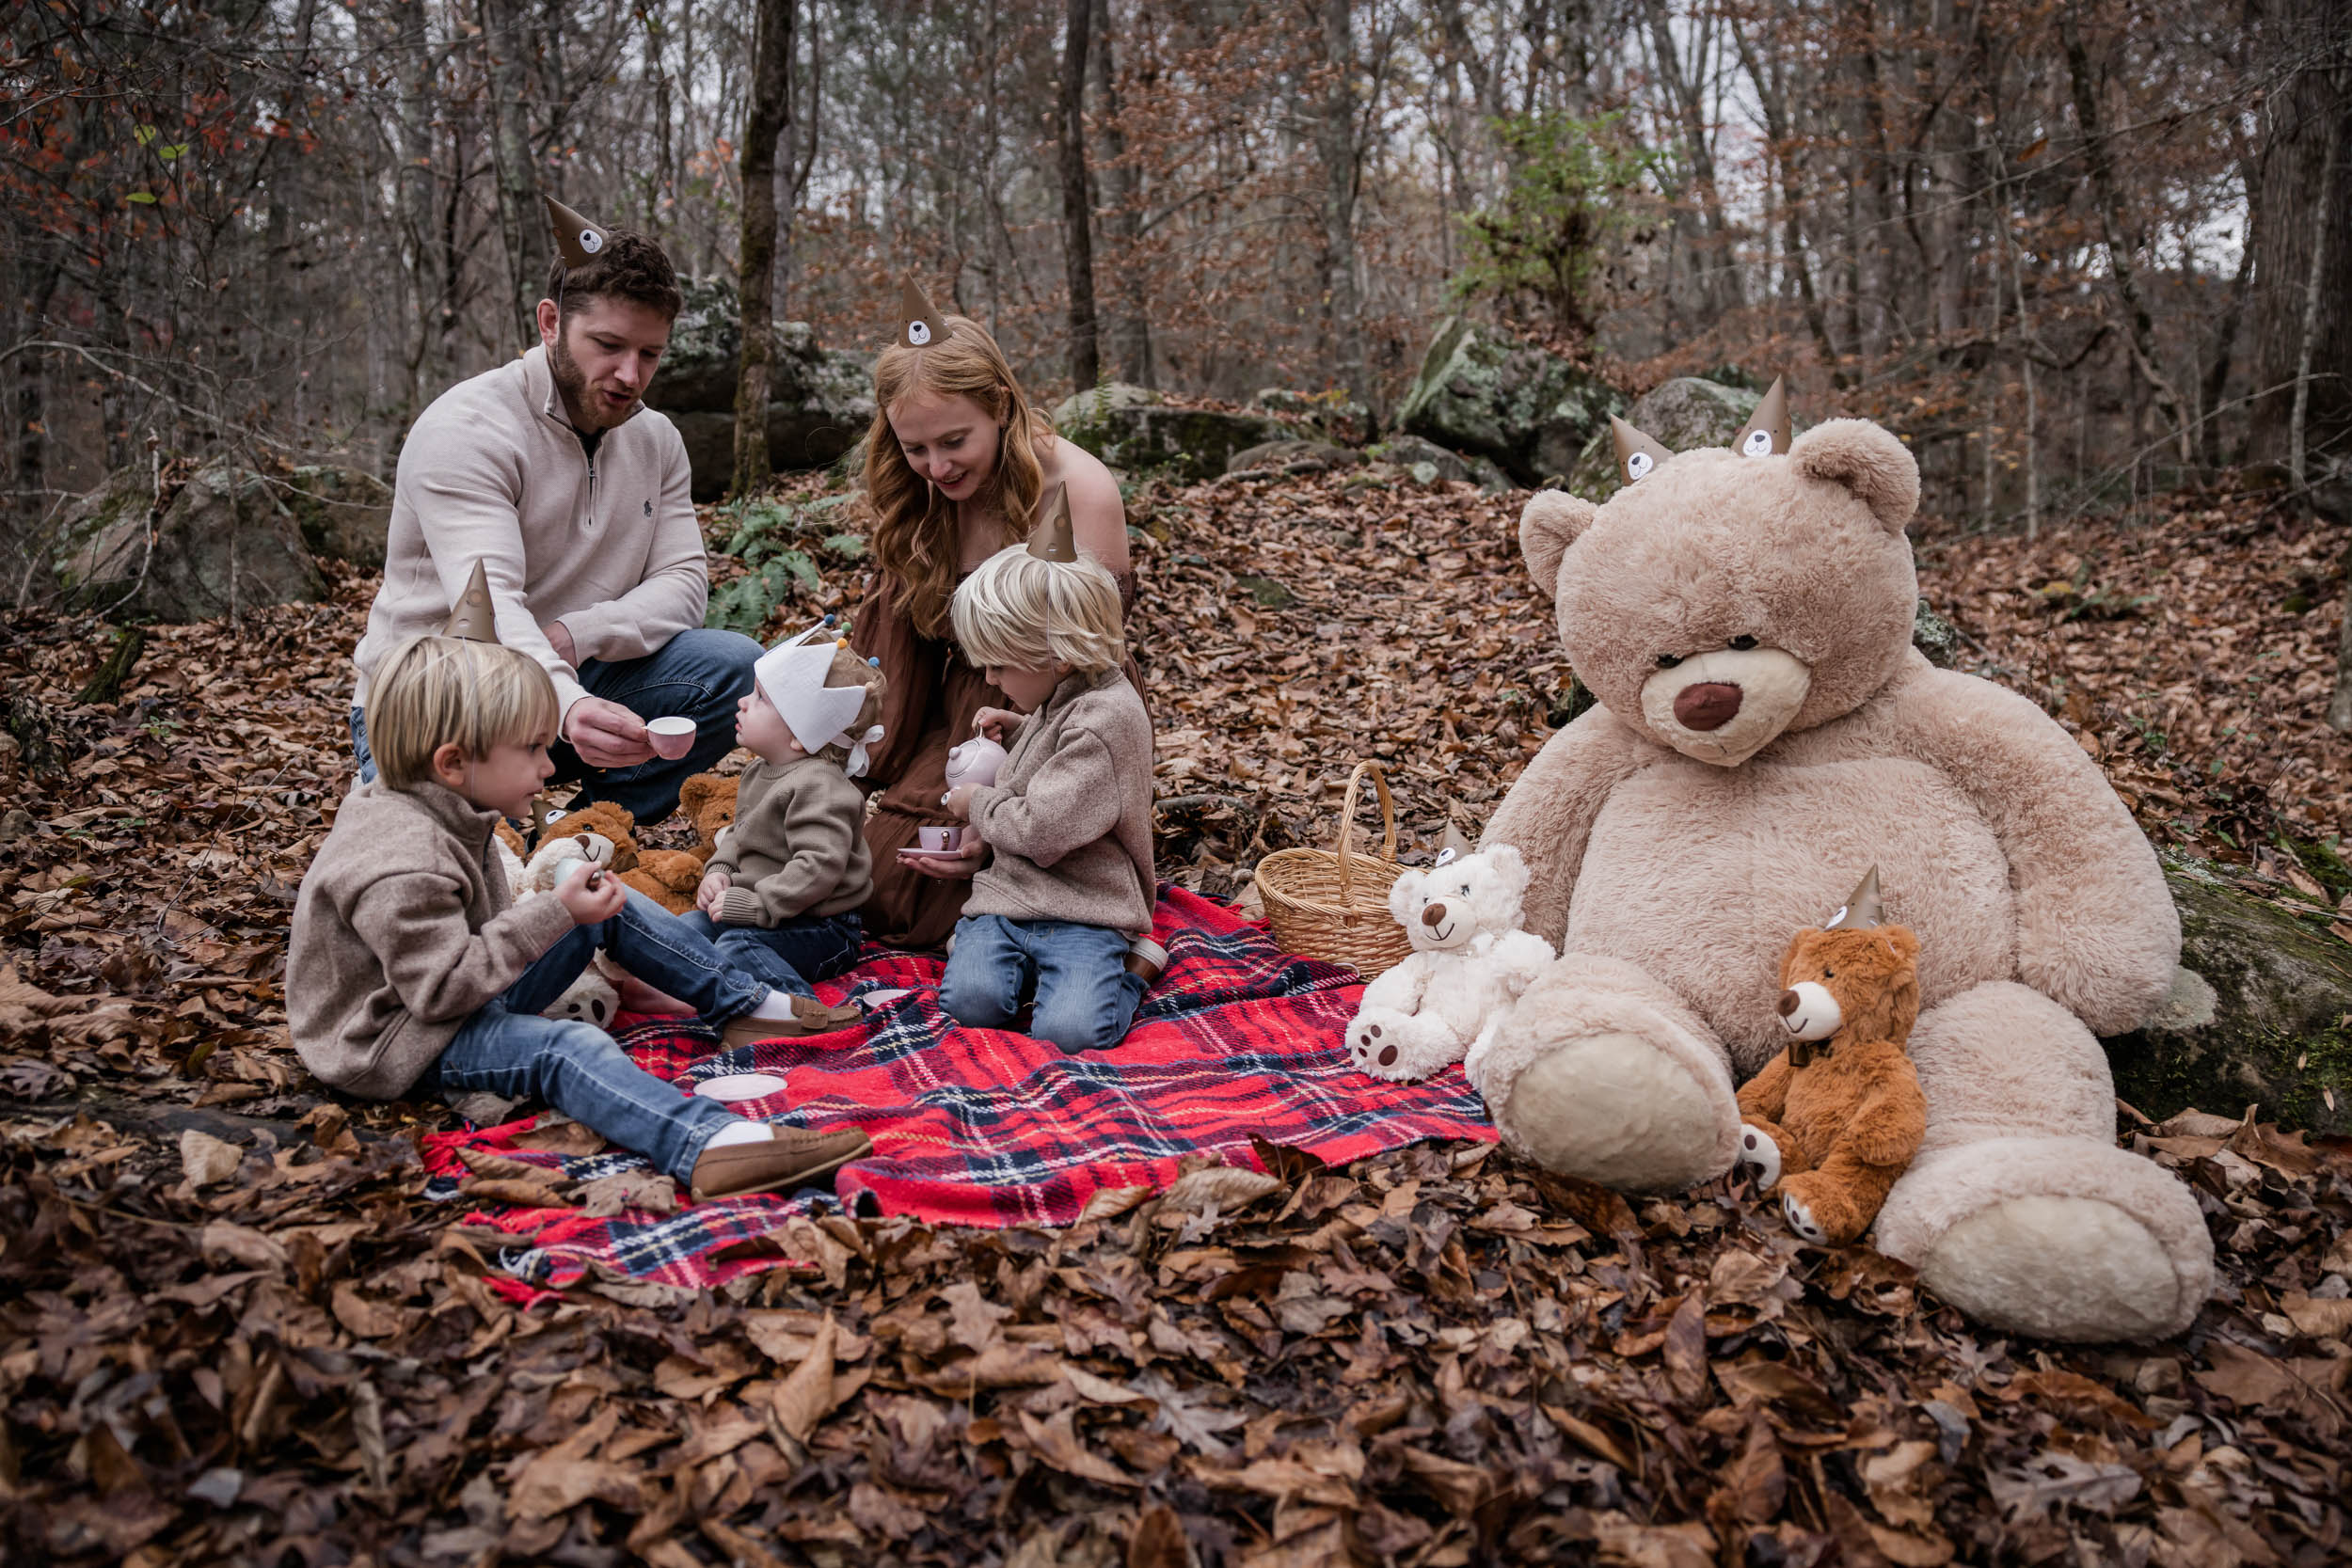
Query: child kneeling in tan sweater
1060, 914
411, 970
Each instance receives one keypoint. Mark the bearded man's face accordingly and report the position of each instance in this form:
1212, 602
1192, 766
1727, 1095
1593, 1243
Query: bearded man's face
603, 357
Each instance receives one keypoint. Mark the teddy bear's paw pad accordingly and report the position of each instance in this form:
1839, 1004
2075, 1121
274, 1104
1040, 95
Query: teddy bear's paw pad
1617, 1110
2057, 1268
1800, 1219
1384, 1050
1759, 1153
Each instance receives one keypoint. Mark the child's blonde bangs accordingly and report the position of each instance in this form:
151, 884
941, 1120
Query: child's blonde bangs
432, 691
1017, 610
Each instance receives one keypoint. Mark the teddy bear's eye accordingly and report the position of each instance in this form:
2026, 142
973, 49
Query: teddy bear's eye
1829, 974
1743, 642
1667, 661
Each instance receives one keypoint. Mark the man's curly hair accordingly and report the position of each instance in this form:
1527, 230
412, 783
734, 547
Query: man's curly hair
630, 266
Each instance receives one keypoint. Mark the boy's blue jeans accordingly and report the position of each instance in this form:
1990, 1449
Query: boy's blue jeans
1077, 976
697, 674
789, 957
509, 1049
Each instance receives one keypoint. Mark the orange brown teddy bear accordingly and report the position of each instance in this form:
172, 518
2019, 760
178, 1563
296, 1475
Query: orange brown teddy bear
1833, 1120
668, 877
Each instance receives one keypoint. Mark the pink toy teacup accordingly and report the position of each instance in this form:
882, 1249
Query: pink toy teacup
671, 738
938, 841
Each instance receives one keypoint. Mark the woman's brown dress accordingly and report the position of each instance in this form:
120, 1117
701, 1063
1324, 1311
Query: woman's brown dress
934, 691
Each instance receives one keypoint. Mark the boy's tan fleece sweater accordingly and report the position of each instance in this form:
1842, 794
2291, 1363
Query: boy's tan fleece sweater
797, 845
400, 933
1069, 817
494, 472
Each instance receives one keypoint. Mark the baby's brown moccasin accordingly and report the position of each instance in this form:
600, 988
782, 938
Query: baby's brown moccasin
793, 1157
809, 1017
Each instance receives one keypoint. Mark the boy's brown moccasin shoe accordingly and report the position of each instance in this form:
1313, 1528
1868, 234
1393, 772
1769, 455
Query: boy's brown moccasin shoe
794, 1157
809, 1017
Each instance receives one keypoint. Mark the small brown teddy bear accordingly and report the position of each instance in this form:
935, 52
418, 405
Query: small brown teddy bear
1834, 1120
668, 877
708, 802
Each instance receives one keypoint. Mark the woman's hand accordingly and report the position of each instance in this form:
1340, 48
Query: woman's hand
957, 802
707, 896
998, 724
959, 866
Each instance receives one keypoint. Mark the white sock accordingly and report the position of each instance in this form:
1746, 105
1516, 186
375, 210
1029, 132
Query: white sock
739, 1130
777, 1008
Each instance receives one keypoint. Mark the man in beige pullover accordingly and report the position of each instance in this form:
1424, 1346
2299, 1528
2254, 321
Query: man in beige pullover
551, 473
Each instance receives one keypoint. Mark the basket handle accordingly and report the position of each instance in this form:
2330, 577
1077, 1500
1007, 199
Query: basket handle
1348, 820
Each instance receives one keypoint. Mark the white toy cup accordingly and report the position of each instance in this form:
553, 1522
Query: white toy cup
671, 738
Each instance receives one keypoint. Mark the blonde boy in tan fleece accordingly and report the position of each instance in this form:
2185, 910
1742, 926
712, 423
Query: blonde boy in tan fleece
1060, 914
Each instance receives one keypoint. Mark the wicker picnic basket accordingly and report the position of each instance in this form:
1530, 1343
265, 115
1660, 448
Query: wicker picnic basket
1332, 905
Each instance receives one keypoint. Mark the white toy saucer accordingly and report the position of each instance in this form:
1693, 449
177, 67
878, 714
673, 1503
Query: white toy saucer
736, 1088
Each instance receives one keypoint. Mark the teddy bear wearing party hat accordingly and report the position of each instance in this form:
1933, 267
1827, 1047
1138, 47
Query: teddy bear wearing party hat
1764, 725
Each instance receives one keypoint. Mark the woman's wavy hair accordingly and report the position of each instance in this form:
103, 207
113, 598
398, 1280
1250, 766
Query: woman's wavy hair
914, 536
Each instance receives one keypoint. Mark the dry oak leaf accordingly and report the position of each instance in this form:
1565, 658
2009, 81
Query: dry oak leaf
204, 1159
1225, 1188
220, 1241
1056, 1441
972, 1316
806, 1397
557, 1479
365, 1319
2055, 1478
2321, 1317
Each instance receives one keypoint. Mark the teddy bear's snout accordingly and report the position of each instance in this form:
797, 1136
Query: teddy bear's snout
1439, 923
1707, 704
1809, 1012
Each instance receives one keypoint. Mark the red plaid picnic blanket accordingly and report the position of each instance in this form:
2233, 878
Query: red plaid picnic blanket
984, 1127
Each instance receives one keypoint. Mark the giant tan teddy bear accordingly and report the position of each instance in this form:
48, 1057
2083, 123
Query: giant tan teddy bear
1764, 726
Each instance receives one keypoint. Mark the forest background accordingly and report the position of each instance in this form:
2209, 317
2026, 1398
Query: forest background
2074, 251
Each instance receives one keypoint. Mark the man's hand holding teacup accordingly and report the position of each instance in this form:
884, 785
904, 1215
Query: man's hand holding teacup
606, 734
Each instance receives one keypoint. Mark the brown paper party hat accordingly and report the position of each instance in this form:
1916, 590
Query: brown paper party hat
1637, 454
1862, 908
920, 322
1453, 847
577, 240
1053, 539
1766, 434
473, 617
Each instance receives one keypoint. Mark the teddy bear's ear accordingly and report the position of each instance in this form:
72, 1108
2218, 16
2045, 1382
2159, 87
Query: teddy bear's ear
1866, 459
1508, 867
1549, 525
1402, 893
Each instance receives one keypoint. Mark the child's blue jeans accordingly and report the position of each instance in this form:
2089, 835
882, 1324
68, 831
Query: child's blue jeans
1077, 976
509, 1049
789, 957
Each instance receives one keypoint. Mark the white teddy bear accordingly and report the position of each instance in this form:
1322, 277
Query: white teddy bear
1469, 963
593, 998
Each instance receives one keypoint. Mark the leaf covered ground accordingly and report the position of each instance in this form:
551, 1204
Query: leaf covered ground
232, 1330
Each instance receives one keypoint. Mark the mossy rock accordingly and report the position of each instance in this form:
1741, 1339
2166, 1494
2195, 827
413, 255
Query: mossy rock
344, 514
1531, 411
1131, 429
1274, 455
226, 543
1333, 414
1413, 454
2257, 1018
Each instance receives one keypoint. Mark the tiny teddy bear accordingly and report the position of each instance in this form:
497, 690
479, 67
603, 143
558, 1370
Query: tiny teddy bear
1834, 1120
1469, 963
593, 998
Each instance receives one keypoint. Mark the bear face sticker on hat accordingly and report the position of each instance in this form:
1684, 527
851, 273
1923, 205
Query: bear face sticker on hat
922, 323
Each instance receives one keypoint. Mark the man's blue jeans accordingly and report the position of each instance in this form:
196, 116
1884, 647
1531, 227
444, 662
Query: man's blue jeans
509, 1049
788, 956
697, 674
1077, 976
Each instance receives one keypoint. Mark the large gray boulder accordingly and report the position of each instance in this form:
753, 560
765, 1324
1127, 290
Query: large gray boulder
1412, 451
1683, 415
819, 401
2257, 1014
1136, 431
1532, 412
227, 543
344, 514
1332, 414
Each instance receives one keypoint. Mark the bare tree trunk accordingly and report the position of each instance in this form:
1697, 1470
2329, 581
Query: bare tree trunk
1335, 138
1077, 215
766, 118
1128, 322
525, 231
664, 189
2137, 320
2298, 441
2306, 204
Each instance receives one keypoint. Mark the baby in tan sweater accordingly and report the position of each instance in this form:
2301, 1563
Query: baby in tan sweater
780, 894
1060, 916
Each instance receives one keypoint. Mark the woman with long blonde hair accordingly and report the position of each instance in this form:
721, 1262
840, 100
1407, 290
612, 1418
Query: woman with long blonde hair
956, 465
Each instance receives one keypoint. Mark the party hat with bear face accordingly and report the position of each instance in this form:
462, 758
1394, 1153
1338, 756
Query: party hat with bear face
1766, 434
473, 617
1453, 847
1638, 454
576, 241
920, 323
1861, 909
792, 675
1053, 538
